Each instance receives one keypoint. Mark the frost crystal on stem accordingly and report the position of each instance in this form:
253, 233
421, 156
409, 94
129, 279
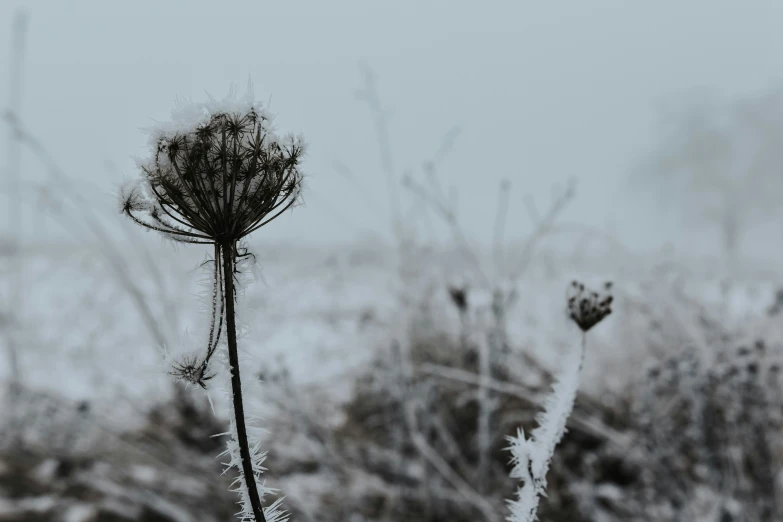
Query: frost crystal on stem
217, 173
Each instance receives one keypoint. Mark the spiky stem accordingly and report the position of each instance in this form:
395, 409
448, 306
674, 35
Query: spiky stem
228, 249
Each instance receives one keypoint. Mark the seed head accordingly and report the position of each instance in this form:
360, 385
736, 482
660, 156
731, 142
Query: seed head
588, 308
459, 296
192, 371
216, 178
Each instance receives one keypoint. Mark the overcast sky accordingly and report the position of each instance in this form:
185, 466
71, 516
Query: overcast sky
542, 91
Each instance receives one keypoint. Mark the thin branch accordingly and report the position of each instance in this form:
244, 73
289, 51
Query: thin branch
544, 226
501, 216
90, 220
589, 424
430, 454
369, 95
15, 221
448, 214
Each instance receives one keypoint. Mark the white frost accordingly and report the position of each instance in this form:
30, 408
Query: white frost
531, 456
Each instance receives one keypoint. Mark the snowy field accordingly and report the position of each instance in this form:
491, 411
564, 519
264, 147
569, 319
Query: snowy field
323, 315
324, 310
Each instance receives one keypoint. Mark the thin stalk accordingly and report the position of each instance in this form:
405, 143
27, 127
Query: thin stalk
236, 383
13, 151
486, 407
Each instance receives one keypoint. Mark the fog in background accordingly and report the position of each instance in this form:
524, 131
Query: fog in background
626, 334
541, 92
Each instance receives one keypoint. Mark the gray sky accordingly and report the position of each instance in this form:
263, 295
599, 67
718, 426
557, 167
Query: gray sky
542, 91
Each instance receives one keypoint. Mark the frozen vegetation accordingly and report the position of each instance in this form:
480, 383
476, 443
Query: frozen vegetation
557, 377
368, 387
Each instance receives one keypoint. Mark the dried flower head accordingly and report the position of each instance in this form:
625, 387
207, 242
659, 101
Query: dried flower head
588, 308
218, 180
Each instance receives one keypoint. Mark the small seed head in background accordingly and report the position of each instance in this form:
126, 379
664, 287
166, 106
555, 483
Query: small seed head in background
459, 297
587, 308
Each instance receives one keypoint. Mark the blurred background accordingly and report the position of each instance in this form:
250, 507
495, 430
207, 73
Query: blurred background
466, 162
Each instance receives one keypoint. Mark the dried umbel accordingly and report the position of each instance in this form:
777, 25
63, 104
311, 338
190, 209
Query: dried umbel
218, 181
218, 173
588, 308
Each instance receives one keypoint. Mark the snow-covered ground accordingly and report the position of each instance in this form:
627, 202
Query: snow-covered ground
88, 327
322, 310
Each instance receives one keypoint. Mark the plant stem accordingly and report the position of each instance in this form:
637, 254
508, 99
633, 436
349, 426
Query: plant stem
236, 383
15, 233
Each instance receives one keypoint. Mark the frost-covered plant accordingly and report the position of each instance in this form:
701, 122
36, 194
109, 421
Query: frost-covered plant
217, 173
714, 426
531, 456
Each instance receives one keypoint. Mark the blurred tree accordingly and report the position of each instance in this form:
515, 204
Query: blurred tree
722, 164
